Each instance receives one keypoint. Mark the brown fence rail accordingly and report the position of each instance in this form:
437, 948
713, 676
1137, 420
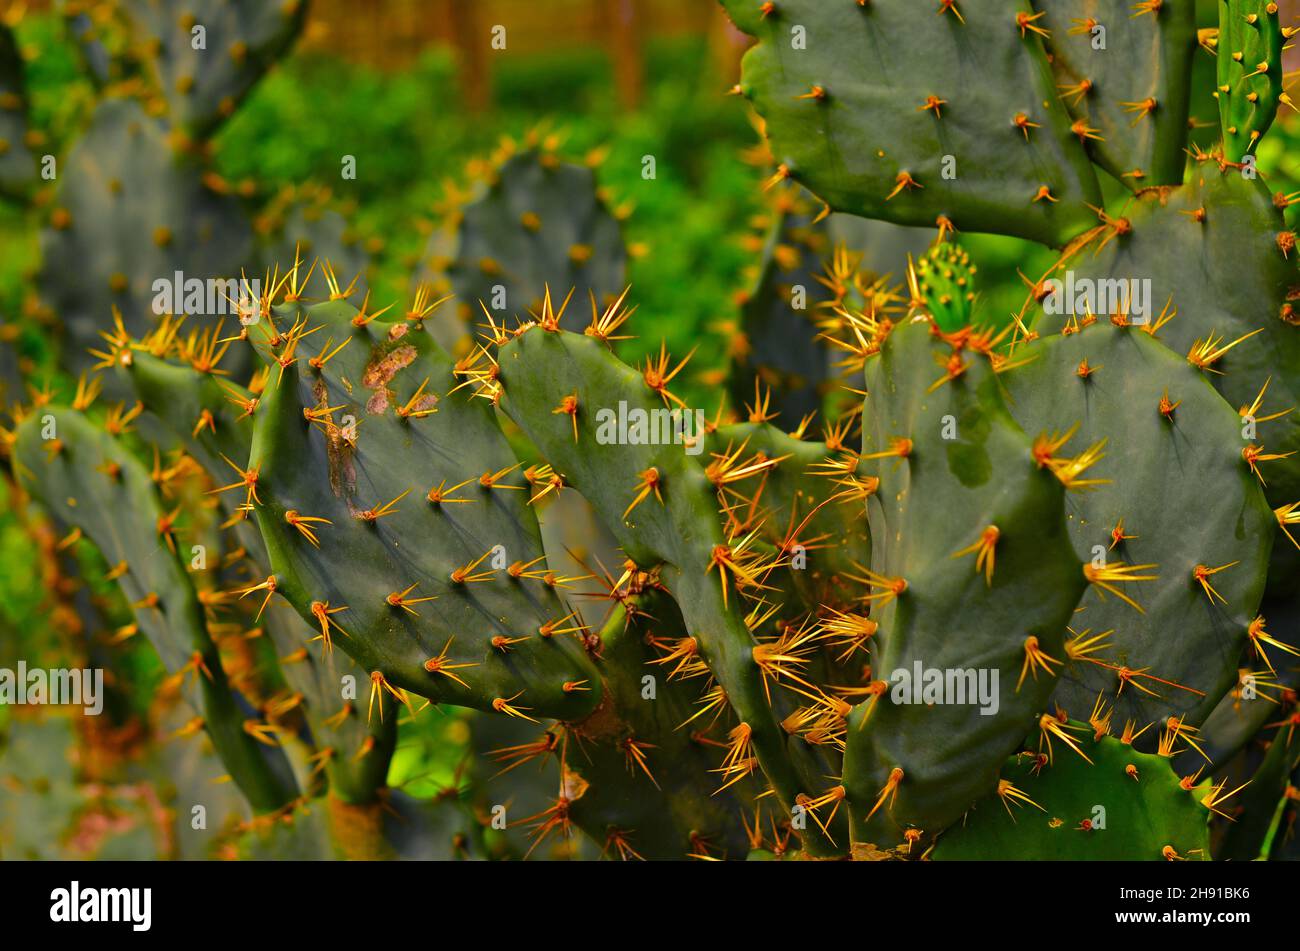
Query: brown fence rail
392, 34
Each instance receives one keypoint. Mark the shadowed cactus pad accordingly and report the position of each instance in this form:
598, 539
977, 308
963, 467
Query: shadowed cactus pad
83, 475
130, 211
639, 771
206, 57
529, 220
304, 222
17, 161
776, 343
565, 391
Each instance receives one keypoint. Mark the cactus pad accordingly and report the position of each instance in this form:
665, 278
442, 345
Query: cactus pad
972, 576
397, 520
1123, 805
872, 107
1174, 494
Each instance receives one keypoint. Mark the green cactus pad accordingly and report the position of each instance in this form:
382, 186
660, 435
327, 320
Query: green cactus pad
1254, 701
1216, 252
304, 222
1146, 811
872, 107
396, 433
542, 370
1125, 70
201, 409
130, 212
86, 479
205, 58
207, 414
668, 809
834, 538
355, 752
1176, 496
532, 221
957, 477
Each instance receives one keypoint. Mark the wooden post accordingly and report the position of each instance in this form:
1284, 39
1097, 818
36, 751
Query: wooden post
625, 22
471, 36
409, 27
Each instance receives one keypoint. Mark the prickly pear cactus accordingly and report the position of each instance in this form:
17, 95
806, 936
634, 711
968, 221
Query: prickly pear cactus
972, 570
1260, 690
211, 417
353, 751
303, 222
82, 475
133, 211
141, 222
48, 811
1260, 804
201, 408
943, 285
429, 572
1124, 70
1216, 253
775, 344
101, 38
826, 542
1249, 46
637, 775
530, 221
1285, 846
206, 57
399, 828
872, 108
567, 392
918, 589
1105, 802
1167, 445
